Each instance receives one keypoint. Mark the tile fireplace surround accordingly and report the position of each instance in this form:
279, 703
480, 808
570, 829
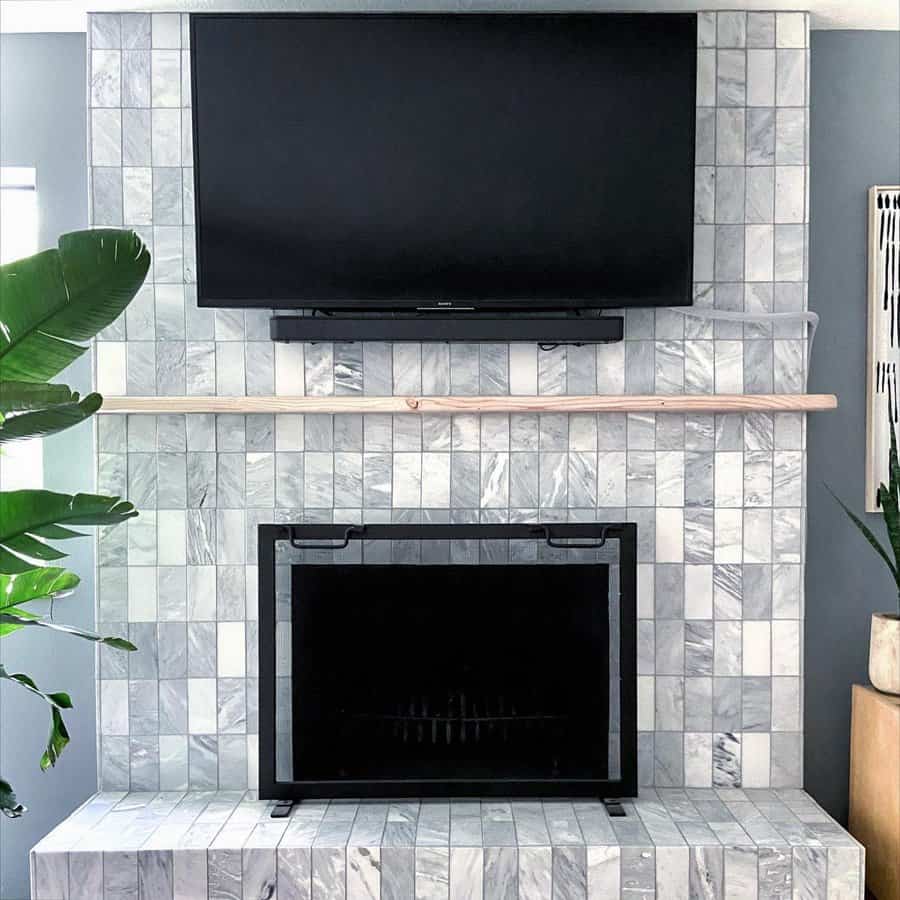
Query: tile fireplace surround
719, 501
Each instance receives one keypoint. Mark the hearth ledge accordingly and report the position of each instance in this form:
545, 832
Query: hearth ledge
186, 846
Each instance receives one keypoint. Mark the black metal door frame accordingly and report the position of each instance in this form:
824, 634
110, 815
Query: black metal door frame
572, 536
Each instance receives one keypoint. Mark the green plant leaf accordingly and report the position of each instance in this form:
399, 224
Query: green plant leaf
57, 531
12, 626
890, 512
9, 806
38, 584
56, 741
57, 701
43, 422
25, 545
17, 618
51, 301
26, 515
889, 498
866, 532
24, 396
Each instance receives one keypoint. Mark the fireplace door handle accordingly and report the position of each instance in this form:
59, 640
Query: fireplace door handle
351, 532
593, 545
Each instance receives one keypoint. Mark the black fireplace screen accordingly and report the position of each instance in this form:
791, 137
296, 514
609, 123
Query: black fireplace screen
401, 660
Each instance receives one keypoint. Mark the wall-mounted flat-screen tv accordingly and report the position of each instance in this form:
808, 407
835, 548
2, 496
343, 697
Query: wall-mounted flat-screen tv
384, 161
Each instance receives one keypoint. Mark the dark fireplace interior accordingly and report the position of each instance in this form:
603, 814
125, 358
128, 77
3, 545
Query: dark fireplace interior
470, 672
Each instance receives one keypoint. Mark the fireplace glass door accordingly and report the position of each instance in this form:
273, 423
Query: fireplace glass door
482, 671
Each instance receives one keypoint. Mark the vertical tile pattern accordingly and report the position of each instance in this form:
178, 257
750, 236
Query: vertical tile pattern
719, 500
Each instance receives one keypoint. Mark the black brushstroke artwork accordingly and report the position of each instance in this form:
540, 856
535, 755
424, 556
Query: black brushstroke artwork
889, 248
886, 383
885, 265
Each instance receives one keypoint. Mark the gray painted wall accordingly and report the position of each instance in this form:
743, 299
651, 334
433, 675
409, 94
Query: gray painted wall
855, 143
43, 124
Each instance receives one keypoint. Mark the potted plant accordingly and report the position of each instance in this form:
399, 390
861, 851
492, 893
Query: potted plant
884, 639
50, 304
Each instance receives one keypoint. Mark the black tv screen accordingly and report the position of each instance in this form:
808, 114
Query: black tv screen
473, 160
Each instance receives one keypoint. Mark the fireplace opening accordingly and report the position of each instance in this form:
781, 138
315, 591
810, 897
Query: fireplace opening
447, 660
482, 671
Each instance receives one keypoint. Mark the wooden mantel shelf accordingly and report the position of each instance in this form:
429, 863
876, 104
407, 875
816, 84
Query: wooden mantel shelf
646, 403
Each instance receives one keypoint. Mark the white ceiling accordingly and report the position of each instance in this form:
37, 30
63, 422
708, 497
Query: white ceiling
69, 15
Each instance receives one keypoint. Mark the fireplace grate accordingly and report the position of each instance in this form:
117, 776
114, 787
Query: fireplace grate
459, 717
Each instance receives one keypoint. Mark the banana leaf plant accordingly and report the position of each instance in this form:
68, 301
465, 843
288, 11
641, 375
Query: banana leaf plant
51, 304
888, 497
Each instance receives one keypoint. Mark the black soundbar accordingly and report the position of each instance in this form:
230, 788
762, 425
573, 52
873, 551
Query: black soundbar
427, 328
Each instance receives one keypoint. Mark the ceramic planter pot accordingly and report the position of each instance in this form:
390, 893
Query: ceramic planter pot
884, 652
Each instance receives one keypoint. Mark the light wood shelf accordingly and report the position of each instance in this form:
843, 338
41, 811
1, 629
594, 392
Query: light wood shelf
646, 403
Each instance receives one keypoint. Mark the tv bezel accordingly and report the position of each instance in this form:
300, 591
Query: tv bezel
524, 305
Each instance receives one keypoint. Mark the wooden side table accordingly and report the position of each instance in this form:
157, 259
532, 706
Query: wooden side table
875, 787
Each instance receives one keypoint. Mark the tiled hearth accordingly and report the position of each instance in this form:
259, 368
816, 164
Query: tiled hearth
726, 844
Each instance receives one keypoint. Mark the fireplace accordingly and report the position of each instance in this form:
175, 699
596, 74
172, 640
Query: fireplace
447, 660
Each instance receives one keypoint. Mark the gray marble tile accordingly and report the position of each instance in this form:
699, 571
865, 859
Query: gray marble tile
790, 136
105, 31
731, 68
760, 136
569, 873
775, 875
258, 873
668, 758
698, 704
135, 31
464, 366
106, 186
136, 82
705, 136
398, 873
698, 648
843, 873
106, 78
155, 873
435, 369
760, 29
581, 370
500, 873
348, 369
787, 759
165, 125
726, 760
638, 875
707, 873
790, 77
120, 874
294, 869
224, 873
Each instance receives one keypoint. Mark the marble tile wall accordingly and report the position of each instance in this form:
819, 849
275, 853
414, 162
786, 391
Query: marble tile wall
719, 500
